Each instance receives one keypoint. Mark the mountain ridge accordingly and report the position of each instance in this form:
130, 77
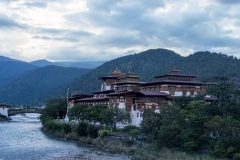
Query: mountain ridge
145, 64
77, 64
12, 68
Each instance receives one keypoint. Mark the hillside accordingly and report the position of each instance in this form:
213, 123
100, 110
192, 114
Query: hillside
11, 68
38, 85
159, 61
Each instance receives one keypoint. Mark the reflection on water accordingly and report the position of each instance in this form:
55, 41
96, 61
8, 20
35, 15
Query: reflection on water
22, 139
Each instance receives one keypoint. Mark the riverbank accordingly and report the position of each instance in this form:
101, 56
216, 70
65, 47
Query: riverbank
136, 151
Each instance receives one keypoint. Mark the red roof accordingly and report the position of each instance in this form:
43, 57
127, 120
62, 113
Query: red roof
104, 92
174, 82
127, 82
79, 96
108, 77
92, 99
175, 75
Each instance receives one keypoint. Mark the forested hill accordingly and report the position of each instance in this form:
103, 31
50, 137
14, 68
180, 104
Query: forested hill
36, 86
11, 68
159, 61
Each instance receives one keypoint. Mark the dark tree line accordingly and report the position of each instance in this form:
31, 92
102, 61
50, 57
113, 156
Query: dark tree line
100, 114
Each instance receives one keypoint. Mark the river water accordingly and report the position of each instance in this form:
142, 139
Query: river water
22, 139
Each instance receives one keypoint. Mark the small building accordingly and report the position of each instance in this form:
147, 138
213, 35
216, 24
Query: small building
4, 110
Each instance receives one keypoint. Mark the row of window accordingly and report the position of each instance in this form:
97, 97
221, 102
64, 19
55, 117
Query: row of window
180, 79
153, 89
94, 103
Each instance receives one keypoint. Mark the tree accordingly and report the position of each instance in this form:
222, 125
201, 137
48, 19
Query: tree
169, 134
226, 93
193, 129
224, 136
56, 108
113, 116
93, 113
151, 123
78, 112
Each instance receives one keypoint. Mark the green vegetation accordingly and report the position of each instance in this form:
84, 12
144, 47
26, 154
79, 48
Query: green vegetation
87, 120
101, 114
79, 132
193, 125
85, 132
4, 118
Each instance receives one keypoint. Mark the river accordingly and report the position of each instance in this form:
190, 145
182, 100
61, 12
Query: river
22, 139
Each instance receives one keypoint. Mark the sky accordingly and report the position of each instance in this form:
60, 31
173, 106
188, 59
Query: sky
99, 30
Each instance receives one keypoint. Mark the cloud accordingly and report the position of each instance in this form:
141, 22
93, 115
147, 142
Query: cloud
35, 4
228, 1
6, 22
106, 29
61, 34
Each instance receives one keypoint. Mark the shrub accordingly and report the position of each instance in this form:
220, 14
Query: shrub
3, 118
128, 142
92, 131
82, 129
129, 128
219, 150
103, 133
190, 145
236, 156
45, 118
53, 125
230, 152
66, 128
135, 132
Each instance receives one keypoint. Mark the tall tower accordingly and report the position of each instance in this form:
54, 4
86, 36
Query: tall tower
108, 81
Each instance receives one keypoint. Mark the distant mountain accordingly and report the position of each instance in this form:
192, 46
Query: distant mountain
6, 59
42, 63
11, 68
83, 64
159, 61
38, 85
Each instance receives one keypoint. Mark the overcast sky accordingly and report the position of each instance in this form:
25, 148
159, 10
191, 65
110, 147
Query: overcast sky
105, 29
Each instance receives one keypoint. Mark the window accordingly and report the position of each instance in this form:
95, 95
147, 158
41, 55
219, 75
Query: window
121, 99
171, 92
152, 89
134, 107
192, 93
184, 93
